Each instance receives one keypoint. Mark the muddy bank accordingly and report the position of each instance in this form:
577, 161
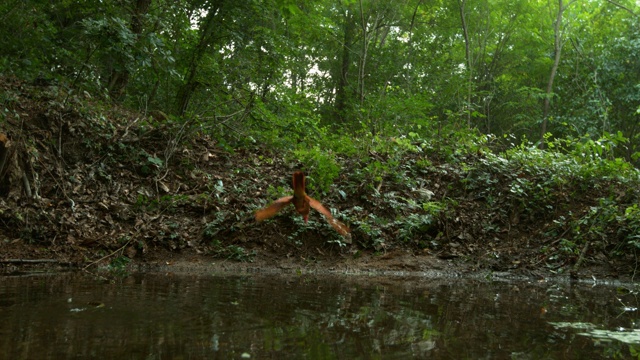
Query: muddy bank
399, 265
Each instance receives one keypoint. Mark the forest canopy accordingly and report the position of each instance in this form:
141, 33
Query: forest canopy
280, 72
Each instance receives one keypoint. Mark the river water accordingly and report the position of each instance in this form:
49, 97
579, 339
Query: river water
305, 316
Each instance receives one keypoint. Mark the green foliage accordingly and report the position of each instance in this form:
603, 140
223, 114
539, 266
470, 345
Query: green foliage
376, 170
321, 167
415, 226
629, 226
602, 225
232, 252
213, 227
596, 157
118, 266
8, 106
214, 231
371, 229
540, 179
171, 235
276, 192
148, 164
25, 30
272, 75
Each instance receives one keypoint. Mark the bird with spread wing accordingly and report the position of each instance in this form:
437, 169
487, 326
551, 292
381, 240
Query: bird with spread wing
302, 202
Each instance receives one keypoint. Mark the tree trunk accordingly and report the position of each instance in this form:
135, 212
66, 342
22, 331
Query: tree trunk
341, 90
5, 155
187, 89
363, 54
467, 53
119, 77
557, 48
410, 74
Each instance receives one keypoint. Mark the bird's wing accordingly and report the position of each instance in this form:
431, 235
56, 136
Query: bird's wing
273, 209
340, 227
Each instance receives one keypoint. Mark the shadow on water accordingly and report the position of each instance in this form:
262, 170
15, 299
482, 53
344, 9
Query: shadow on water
157, 316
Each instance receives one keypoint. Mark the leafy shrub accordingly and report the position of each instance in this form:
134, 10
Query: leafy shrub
321, 166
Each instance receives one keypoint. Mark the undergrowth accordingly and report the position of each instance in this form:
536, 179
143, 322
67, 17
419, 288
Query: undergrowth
428, 193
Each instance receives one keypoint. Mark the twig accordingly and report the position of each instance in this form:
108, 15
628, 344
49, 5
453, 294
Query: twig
583, 253
96, 275
108, 255
126, 130
560, 237
622, 7
61, 125
635, 269
171, 149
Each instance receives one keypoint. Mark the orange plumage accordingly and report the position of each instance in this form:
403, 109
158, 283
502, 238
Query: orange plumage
302, 202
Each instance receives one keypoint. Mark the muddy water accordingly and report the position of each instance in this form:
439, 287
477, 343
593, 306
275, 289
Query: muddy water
160, 316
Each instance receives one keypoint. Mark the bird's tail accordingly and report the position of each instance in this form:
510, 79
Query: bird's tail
298, 184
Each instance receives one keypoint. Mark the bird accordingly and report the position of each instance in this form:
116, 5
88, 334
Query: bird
302, 202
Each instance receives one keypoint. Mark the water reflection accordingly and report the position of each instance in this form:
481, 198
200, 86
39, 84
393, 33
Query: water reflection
159, 316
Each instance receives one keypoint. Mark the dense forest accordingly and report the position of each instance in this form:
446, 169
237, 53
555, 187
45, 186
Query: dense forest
432, 124
281, 71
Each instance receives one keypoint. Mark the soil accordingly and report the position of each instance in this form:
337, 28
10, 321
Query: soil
89, 186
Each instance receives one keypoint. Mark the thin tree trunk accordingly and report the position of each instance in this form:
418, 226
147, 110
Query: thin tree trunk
120, 77
622, 7
363, 55
410, 73
557, 48
341, 90
191, 84
467, 54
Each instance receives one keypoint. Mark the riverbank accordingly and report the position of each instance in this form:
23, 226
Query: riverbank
94, 186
